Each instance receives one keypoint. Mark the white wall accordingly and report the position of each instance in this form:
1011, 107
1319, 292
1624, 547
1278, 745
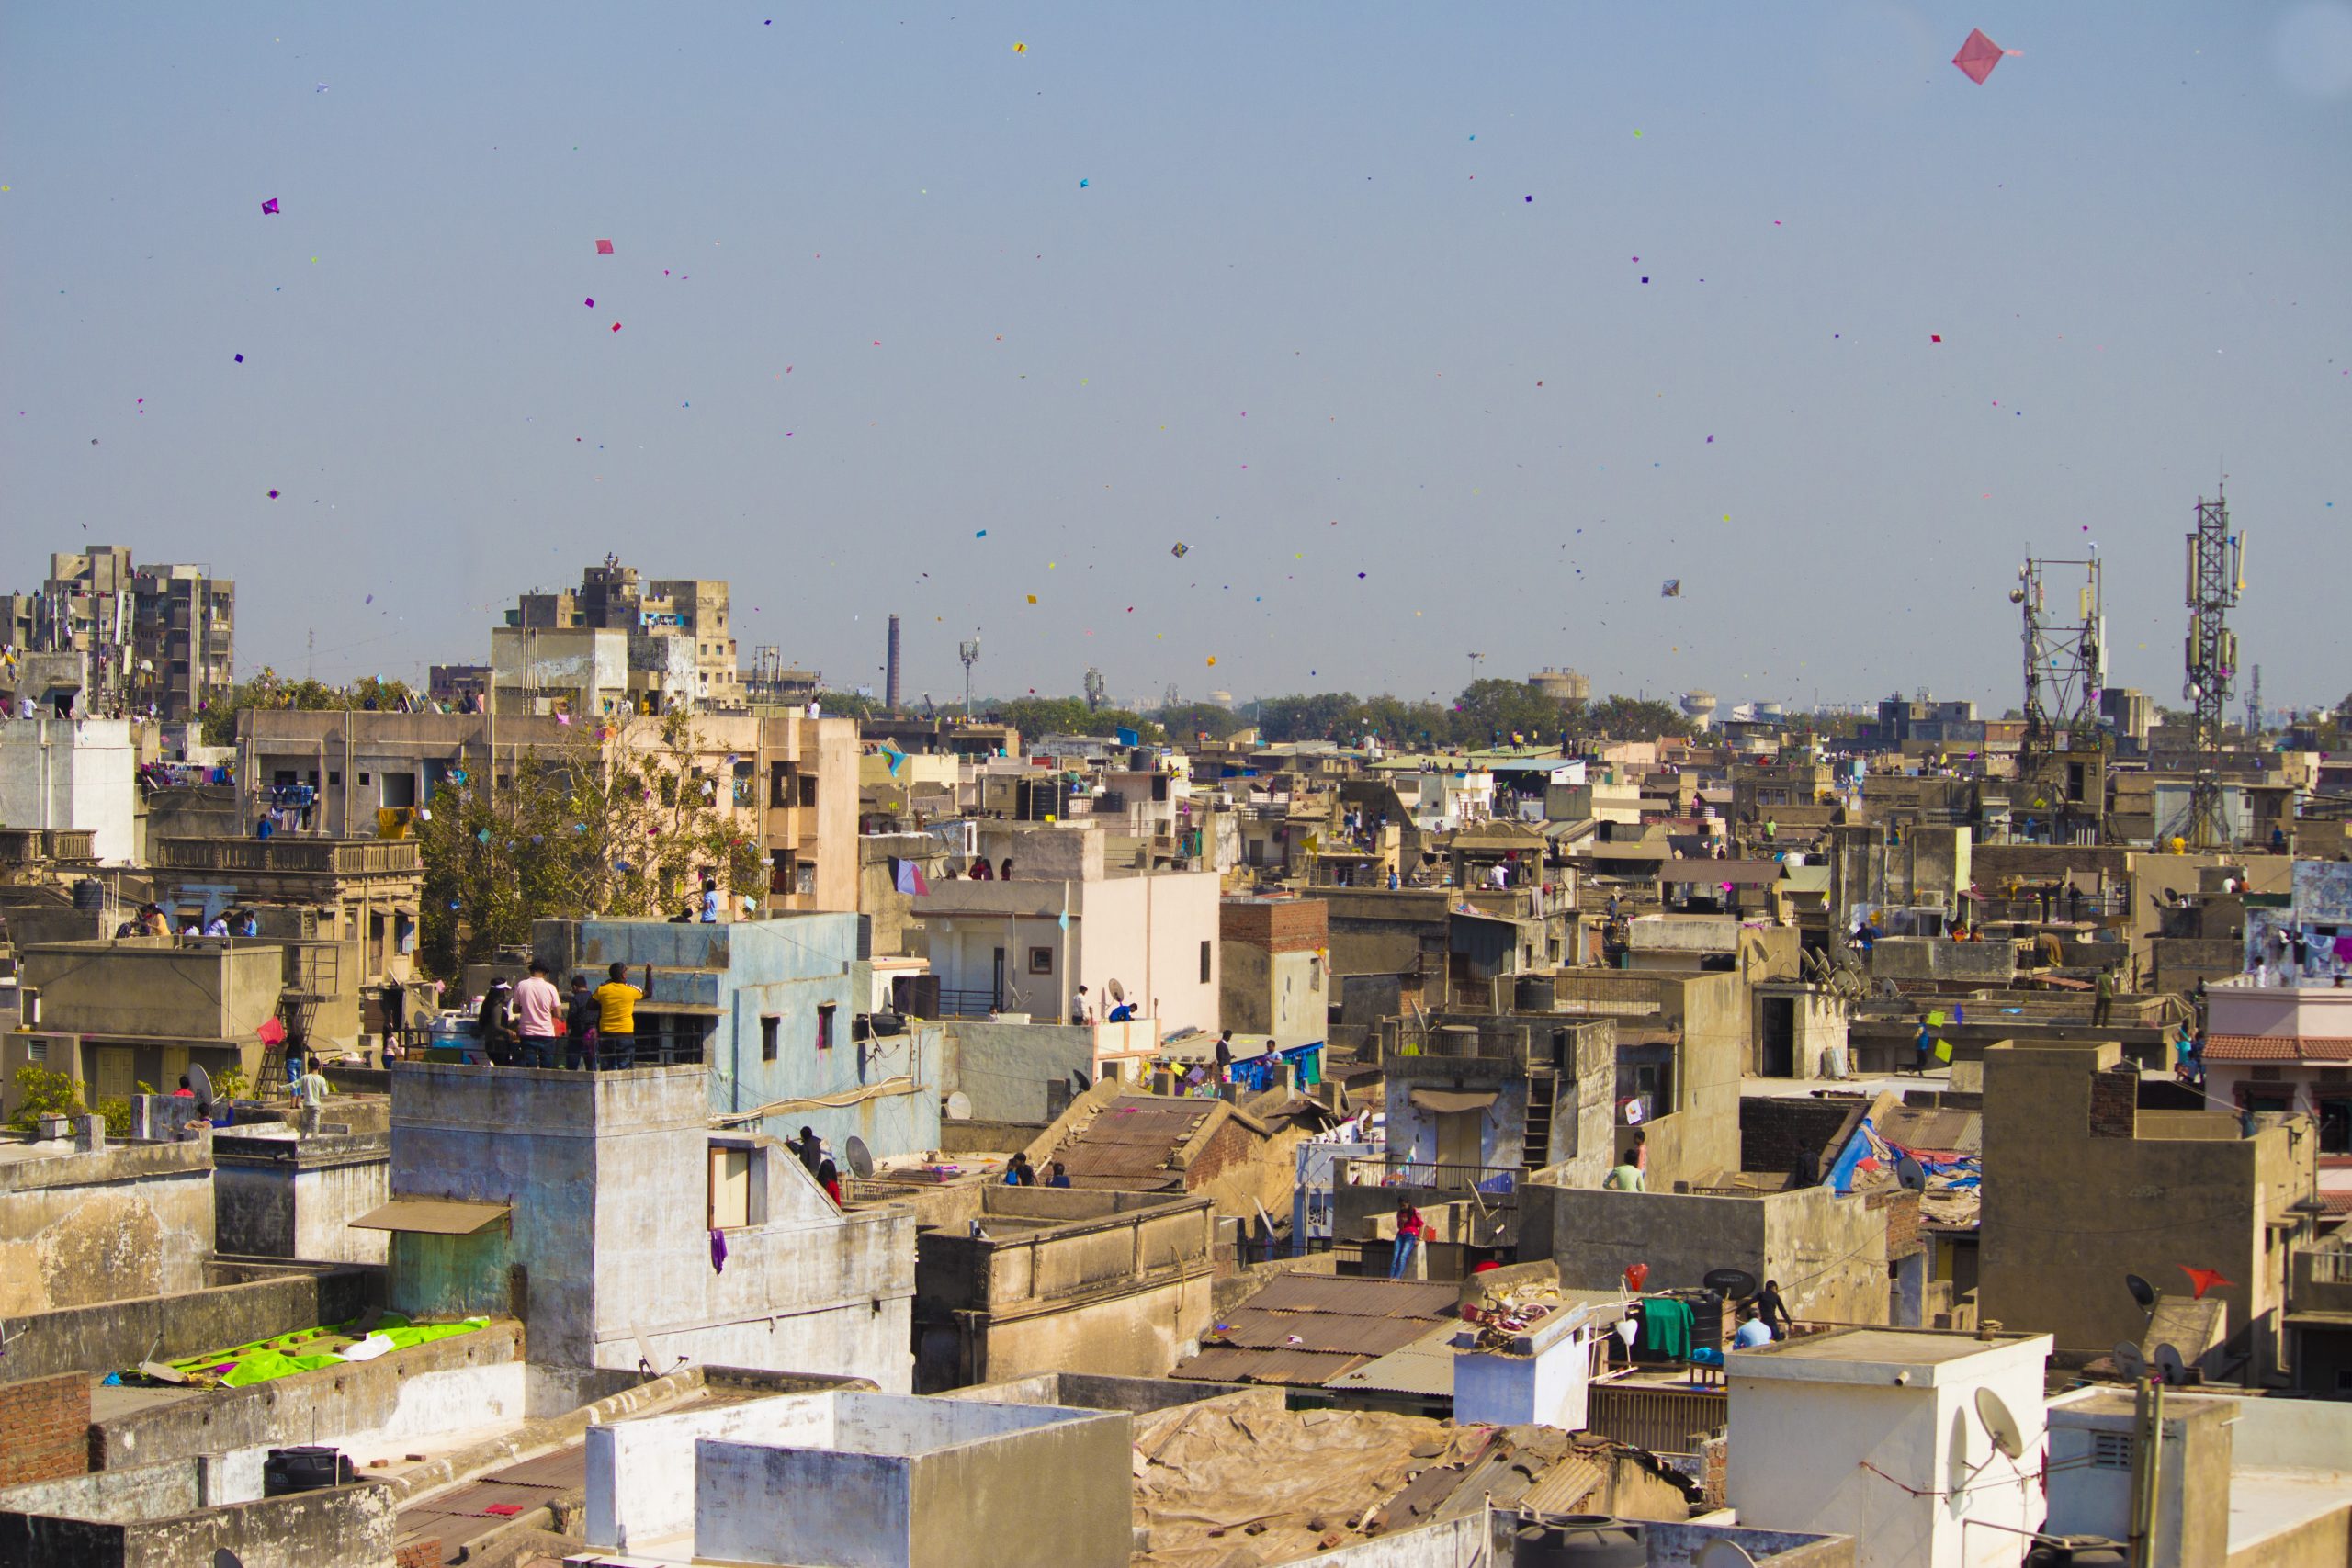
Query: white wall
1548, 1388
59, 772
641, 1473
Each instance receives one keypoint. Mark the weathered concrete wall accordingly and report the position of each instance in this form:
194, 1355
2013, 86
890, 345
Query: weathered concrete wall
219, 991
96, 1225
1004, 1068
243, 1307
641, 1473
71, 773
285, 1197
479, 1373
1828, 1253
608, 1174
2079, 1189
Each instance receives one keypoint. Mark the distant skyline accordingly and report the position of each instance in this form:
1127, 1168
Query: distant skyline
1422, 330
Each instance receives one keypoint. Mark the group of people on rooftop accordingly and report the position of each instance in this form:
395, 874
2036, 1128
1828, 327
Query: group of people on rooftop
526, 1025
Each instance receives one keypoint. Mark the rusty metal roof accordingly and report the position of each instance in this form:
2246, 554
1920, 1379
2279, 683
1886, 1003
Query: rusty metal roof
1356, 1298
1329, 1332
1296, 1368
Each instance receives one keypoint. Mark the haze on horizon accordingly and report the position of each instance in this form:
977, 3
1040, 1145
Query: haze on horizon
1426, 332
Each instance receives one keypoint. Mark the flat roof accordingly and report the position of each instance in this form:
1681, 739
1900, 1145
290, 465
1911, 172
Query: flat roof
1874, 1355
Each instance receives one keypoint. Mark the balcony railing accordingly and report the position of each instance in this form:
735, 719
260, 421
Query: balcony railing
336, 857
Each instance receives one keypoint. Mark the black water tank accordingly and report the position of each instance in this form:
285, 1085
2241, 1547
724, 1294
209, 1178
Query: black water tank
89, 893
309, 1467
1581, 1541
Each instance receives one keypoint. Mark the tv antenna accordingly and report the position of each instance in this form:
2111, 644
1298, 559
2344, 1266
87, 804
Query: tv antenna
2216, 579
2066, 669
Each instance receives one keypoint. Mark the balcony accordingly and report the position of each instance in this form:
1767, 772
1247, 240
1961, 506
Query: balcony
332, 857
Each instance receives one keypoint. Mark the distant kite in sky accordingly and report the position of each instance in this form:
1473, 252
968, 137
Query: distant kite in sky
270, 205
1181, 550
605, 247
1978, 56
1672, 588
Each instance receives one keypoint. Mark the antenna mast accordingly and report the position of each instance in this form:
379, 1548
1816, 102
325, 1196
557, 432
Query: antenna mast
2066, 669
2216, 578
969, 652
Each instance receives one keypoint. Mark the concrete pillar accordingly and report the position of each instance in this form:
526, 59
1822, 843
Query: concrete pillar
90, 1133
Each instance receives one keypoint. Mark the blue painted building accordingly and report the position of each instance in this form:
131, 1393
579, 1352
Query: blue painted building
775, 1010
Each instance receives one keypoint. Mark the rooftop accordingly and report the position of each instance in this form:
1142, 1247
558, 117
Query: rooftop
1875, 1355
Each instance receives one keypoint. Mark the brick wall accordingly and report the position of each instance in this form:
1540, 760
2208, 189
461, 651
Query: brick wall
44, 1428
1776, 1133
1714, 1456
2115, 1101
1229, 1146
1277, 925
1902, 1221
425, 1553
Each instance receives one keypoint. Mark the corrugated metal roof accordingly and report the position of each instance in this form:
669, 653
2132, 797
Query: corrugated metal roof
1423, 1367
2277, 1048
1564, 1487
1356, 1298
1330, 1332
1296, 1368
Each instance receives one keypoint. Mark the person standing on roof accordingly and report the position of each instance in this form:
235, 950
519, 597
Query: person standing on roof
580, 1015
1925, 1045
1769, 1307
538, 1005
2104, 1003
1626, 1176
494, 1023
1410, 1229
710, 900
810, 1148
617, 1003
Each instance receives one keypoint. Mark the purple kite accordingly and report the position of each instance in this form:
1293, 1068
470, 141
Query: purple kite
270, 205
1978, 56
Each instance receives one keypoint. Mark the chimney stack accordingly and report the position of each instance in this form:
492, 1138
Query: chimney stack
890, 677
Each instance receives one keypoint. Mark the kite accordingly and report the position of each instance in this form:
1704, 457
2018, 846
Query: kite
1181, 550
2204, 1279
270, 207
603, 247
1978, 56
1671, 589
1020, 48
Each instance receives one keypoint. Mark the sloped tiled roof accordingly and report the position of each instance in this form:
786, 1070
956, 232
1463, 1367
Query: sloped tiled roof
2277, 1048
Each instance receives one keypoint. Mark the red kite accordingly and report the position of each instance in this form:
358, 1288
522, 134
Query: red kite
605, 247
1977, 57
2204, 1279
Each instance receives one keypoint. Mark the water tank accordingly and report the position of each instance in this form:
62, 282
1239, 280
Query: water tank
1700, 707
1560, 685
1222, 699
89, 893
1767, 710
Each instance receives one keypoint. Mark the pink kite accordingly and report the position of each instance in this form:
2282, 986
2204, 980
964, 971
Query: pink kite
270, 205
1978, 56
605, 247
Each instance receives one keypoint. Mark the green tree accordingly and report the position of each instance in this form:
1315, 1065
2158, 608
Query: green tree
851, 705
1489, 713
1326, 715
271, 689
1636, 718
623, 826
43, 1093
1185, 720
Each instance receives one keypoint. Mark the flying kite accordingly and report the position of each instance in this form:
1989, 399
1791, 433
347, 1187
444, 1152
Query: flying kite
1672, 588
1181, 550
2203, 1279
270, 205
1978, 56
603, 247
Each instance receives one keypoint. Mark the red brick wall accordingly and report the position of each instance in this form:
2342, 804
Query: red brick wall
2115, 1101
425, 1553
1229, 1145
1276, 925
44, 1428
1902, 1224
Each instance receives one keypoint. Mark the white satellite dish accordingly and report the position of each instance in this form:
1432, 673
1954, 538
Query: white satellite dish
1999, 1424
1911, 1174
1722, 1553
2128, 1361
2169, 1364
1118, 994
200, 1083
959, 1107
860, 1158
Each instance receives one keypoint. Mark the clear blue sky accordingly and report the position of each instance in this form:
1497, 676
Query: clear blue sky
1263, 280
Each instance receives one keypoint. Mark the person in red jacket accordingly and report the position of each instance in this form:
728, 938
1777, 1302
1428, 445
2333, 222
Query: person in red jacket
1410, 1228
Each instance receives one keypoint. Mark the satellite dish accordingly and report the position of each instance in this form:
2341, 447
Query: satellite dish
1117, 993
1734, 1285
224, 1558
2169, 1365
2128, 1361
1625, 1330
1911, 1174
1722, 1553
2142, 1292
201, 1083
1081, 1081
959, 1107
860, 1158
1999, 1424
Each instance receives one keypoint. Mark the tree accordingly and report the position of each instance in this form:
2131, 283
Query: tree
1489, 713
1069, 715
850, 705
270, 690
622, 822
1636, 718
1184, 720
1327, 715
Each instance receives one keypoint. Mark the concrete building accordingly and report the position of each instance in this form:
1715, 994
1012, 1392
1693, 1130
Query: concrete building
134, 638
291, 1189
1025, 946
2281, 1050
850, 1480
364, 894
1483, 1100
779, 1012
2241, 1483
1880, 1434
602, 1209
116, 1014
676, 649
789, 780
578, 671
1273, 961
2082, 1187
60, 773
1010, 1282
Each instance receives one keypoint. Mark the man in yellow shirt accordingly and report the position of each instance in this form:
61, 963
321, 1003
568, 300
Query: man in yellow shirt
617, 1003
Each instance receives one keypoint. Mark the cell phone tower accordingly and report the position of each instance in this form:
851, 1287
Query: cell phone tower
2216, 579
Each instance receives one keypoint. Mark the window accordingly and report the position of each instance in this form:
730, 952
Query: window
1208, 957
825, 1026
738, 1188
808, 790
1040, 961
768, 1025
363, 781
400, 789
334, 780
